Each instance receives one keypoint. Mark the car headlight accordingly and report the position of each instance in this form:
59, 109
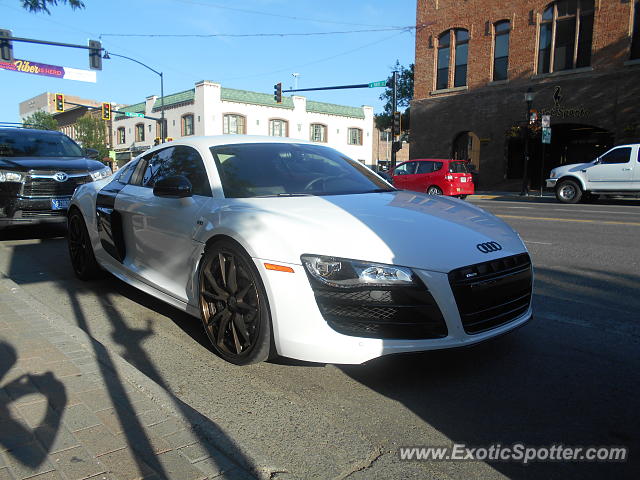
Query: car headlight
553, 174
100, 174
8, 176
344, 273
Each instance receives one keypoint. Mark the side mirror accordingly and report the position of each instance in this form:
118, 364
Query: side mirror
177, 186
91, 153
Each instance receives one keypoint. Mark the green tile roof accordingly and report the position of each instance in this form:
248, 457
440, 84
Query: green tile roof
137, 108
332, 109
174, 99
254, 98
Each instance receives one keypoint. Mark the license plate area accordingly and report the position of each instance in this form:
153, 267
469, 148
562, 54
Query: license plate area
60, 203
463, 179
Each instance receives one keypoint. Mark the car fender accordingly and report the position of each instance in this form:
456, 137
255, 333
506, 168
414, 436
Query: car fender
575, 178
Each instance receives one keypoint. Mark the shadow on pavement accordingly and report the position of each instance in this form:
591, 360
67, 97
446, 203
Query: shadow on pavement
131, 339
568, 380
14, 432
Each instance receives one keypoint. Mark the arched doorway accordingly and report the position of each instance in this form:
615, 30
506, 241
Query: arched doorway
570, 143
466, 146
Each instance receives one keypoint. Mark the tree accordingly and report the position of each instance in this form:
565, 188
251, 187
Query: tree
37, 6
404, 97
40, 120
91, 133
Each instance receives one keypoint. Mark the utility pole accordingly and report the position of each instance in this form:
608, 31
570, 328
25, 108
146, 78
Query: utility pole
395, 124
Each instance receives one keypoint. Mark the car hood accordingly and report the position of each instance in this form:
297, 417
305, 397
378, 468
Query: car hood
403, 228
574, 167
62, 164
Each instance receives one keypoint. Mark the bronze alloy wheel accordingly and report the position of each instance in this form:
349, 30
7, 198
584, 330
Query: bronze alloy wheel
83, 260
233, 305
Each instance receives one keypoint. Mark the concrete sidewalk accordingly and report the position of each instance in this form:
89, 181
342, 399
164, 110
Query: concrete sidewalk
70, 409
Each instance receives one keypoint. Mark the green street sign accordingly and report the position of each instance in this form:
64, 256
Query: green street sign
132, 114
382, 83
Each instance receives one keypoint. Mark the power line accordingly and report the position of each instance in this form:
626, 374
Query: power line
212, 35
271, 14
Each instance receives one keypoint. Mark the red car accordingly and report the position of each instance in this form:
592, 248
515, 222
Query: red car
434, 176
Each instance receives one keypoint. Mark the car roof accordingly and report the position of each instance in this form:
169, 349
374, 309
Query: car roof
214, 140
26, 131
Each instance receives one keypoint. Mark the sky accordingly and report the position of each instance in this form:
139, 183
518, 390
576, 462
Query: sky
320, 56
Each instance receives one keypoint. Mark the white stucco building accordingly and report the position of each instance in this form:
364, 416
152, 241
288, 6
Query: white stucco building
210, 109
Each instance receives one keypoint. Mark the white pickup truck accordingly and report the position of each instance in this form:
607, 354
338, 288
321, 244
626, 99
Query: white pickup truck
615, 172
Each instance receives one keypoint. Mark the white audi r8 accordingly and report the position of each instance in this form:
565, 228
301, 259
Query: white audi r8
286, 247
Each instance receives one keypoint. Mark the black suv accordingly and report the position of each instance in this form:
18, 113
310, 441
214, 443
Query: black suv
39, 171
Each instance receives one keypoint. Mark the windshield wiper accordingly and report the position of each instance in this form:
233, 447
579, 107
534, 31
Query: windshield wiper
285, 195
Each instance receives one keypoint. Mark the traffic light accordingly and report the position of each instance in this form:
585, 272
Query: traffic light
106, 111
59, 102
277, 92
95, 55
6, 47
397, 120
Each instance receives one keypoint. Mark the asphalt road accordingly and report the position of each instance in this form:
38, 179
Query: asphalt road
569, 377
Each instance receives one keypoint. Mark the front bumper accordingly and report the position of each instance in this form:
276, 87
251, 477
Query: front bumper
301, 332
551, 182
23, 210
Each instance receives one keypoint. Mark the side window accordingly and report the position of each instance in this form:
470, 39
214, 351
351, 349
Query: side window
437, 166
125, 173
619, 155
406, 169
187, 161
425, 167
154, 167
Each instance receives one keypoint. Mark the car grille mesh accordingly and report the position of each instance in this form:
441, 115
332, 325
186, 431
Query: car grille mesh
492, 293
43, 213
48, 187
381, 312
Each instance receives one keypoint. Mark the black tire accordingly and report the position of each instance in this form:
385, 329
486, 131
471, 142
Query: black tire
462, 197
233, 305
568, 191
81, 254
433, 190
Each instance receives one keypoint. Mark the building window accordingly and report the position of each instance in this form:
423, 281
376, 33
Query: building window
501, 50
456, 41
121, 135
278, 128
566, 31
355, 136
635, 39
233, 124
187, 125
140, 132
318, 132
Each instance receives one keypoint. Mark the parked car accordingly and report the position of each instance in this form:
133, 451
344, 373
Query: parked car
39, 171
288, 247
615, 172
434, 177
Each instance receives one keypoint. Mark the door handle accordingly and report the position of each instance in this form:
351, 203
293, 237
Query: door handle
626, 169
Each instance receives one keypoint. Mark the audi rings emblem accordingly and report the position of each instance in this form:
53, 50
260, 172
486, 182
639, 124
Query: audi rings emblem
61, 177
489, 247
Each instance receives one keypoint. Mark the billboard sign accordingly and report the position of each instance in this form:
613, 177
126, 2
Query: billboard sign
35, 68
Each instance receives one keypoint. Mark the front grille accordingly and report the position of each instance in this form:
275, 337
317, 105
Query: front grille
492, 293
381, 312
43, 213
48, 187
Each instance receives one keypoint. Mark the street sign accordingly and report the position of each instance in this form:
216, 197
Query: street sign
382, 83
546, 135
132, 114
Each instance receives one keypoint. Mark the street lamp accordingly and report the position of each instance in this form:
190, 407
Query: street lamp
108, 55
528, 98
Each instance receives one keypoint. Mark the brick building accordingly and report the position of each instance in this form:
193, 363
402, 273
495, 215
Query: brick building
476, 59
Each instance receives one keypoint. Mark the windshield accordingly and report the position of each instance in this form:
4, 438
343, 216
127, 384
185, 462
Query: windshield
26, 143
284, 169
458, 167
